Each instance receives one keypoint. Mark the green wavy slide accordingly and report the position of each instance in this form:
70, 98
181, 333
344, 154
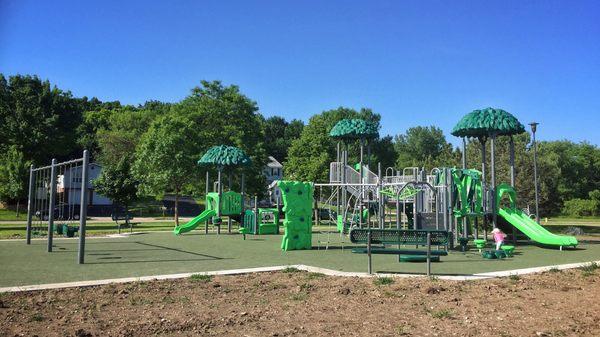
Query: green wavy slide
195, 222
534, 231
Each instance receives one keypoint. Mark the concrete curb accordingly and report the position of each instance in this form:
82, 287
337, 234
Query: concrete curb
312, 269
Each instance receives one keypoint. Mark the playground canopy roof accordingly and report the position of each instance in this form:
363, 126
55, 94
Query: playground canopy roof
354, 129
223, 155
488, 122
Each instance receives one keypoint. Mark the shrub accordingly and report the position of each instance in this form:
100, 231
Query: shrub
582, 207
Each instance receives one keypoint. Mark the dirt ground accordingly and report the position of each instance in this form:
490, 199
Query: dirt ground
293, 303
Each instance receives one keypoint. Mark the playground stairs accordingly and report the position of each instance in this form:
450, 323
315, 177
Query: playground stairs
336, 174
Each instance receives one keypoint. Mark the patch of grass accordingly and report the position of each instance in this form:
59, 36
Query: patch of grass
139, 300
37, 318
379, 281
306, 287
6, 214
382, 281
554, 270
514, 277
589, 269
201, 278
275, 286
314, 276
290, 270
403, 330
391, 294
168, 300
433, 278
442, 314
301, 296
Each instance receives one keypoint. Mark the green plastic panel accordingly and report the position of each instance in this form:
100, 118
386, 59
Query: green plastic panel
231, 203
297, 205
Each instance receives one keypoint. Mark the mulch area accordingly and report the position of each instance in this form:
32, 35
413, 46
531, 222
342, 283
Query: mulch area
294, 303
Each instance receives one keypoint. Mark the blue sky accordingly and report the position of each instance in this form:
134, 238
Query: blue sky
414, 62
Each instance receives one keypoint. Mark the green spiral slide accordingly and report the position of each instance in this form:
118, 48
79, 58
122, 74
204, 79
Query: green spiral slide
192, 224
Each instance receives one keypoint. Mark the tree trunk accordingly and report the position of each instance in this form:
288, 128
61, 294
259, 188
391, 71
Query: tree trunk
17, 208
177, 207
127, 222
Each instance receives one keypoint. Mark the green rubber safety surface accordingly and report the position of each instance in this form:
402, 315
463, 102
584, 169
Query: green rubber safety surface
158, 253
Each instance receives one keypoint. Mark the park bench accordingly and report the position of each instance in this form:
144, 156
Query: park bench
398, 237
127, 217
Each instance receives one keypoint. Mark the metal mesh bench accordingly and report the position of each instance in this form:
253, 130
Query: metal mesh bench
426, 238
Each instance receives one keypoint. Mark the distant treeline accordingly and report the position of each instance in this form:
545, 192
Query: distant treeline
152, 149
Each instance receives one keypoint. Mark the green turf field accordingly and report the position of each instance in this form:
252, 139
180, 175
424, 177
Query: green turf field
163, 253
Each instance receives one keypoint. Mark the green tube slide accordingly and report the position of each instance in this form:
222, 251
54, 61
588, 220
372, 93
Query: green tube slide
533, 230
195, 222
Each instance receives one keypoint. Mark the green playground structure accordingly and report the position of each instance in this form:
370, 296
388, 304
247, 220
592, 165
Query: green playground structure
525, 224
195, 222
297, 206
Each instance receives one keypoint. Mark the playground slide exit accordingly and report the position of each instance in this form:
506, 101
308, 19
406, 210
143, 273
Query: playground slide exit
533, 230
192, 224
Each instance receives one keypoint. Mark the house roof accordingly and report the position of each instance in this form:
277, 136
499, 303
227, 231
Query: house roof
274, 163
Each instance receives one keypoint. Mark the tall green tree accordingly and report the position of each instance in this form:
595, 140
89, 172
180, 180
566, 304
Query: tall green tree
310, 155
222, 115
166, 158
14, 171
39, 119
424, 146
279, 135
118, 183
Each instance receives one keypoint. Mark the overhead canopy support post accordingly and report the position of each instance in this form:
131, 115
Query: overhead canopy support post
493, 179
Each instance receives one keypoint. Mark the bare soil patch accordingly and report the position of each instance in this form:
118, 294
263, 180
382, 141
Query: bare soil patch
292, 303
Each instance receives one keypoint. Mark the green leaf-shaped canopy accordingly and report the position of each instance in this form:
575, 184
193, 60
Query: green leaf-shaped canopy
224, 155
354, 129
487, 122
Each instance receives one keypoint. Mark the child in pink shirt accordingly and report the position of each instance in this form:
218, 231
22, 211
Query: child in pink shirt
499, 237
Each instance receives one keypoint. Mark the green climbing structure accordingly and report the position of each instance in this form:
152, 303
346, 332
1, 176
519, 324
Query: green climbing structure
297, 205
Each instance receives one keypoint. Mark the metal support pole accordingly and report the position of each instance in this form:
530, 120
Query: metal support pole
229, 223
493, 179
483, 187
369, 265
381, 208
220, 193
428, 253
512, 179
344, 188
83, 205
361, 191
30, 204
338, 174
205, 197
465, 233
398, 213
255, 215
512, 161
51, 204
535, 174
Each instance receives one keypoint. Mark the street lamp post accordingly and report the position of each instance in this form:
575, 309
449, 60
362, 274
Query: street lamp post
535, 175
